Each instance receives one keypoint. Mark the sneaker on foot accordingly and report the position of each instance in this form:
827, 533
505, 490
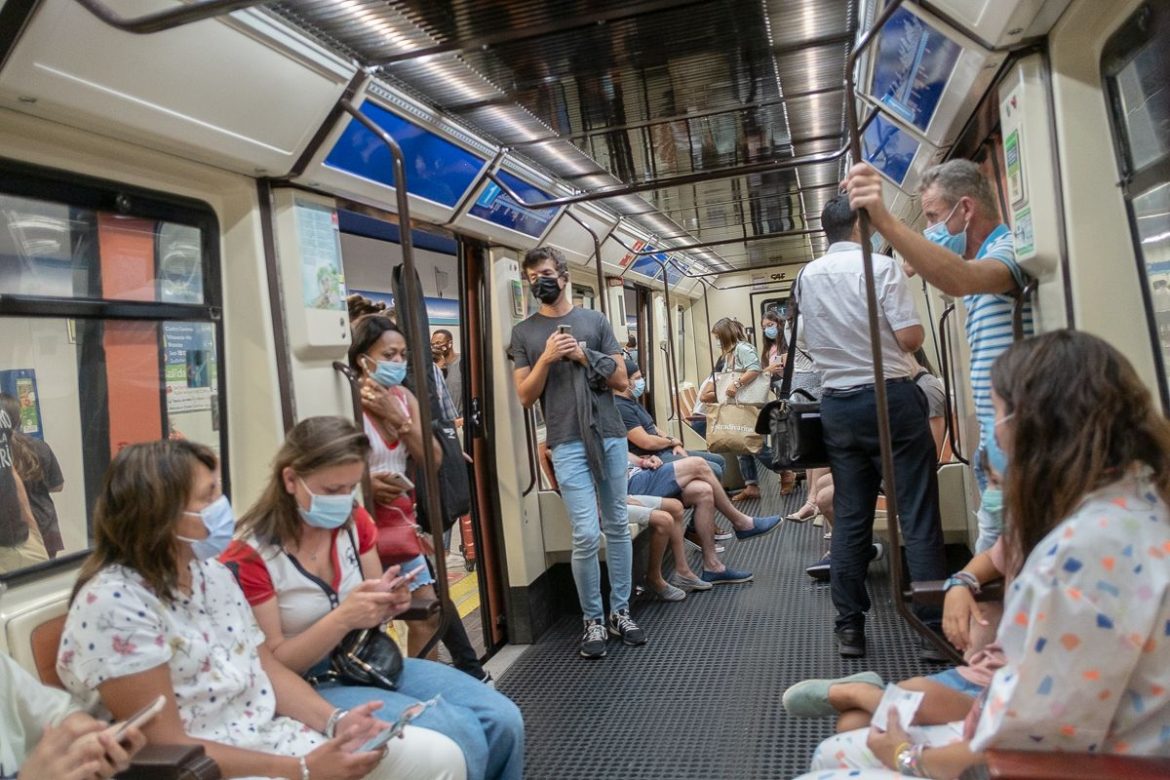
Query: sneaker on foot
622, 625
669, 592
593, 642
810, 698
689, 583
819, 571
693, 538
851, 642
722, 534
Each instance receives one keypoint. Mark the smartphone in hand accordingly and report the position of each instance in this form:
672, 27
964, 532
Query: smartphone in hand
379, 740
141, 718
401, 480
565, 330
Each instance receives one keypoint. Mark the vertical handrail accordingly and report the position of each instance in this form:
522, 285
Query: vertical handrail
671, 372
901, 603
531, 444
946, 365
418, 364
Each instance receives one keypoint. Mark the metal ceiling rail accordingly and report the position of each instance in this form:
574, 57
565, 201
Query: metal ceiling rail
901, 591
419, 365
166, 20
562, 25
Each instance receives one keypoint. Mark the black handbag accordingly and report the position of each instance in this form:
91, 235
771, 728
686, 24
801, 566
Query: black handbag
793, 423
366, 656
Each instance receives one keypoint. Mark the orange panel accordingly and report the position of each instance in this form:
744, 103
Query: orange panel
133, 373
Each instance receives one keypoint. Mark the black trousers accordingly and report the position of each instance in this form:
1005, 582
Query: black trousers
851, 440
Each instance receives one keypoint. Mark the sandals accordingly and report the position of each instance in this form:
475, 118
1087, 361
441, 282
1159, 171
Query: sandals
787, 482
744, 495
804, 514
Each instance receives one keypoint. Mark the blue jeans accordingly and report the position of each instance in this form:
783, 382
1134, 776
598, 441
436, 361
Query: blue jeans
582, 500
747, 464
715, 461
850, 424
485, 724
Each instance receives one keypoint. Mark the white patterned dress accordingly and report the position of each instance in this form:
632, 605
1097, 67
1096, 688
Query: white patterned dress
117, 627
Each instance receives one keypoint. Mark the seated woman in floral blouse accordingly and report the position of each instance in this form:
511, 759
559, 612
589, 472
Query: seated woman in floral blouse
154, 613
1086, 626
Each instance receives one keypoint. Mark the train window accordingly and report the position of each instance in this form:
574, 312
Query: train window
109, 303
584, 297
1135, 65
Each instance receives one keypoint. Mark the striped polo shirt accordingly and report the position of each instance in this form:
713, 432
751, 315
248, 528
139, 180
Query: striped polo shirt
989, 324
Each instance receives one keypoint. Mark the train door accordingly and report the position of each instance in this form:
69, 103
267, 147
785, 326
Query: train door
448, 274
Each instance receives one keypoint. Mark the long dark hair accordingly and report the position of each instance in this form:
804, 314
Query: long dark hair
773, 315
142, 497
1081, 418
313, 444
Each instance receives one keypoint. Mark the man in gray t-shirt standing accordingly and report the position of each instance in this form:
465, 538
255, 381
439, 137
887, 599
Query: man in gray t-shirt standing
562, 353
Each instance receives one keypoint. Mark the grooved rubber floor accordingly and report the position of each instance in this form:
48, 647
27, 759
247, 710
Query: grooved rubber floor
702, 698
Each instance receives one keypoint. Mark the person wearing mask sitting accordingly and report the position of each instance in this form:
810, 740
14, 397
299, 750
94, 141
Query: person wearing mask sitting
153, 613
1084, 636
307, 562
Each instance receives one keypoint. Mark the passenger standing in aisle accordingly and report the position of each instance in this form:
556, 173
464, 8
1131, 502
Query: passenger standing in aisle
978, 262
830, 293
569, 359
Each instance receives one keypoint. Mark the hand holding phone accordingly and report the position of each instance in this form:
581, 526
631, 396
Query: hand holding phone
401, 480
142, 717
565, 330
379, 740
396, 580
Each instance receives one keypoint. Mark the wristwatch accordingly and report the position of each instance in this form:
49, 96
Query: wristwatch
738, 383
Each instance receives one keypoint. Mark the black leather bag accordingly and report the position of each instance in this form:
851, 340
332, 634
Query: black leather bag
366, 656
793, 423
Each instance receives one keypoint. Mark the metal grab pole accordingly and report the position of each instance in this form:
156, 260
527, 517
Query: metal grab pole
601, 288
418, 365
880, 397
948, 384
671, 372
166, 20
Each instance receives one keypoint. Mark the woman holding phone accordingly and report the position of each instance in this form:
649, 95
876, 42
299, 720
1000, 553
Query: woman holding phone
306, 558
154, 613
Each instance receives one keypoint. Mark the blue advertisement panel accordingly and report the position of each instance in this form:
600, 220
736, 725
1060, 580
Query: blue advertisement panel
497, 207
440, 311
888, 148
21, 384
436, 169
913, 63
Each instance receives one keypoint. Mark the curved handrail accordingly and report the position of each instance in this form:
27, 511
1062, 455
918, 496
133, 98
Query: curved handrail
419, 366
901, 601
531, 444
166, 20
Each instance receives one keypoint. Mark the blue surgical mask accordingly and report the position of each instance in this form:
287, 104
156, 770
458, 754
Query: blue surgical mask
389, 373
327, 512
771, 331
992, 503
220, 522
940, 234
639, 387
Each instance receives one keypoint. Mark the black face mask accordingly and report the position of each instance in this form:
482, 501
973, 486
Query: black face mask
546, 290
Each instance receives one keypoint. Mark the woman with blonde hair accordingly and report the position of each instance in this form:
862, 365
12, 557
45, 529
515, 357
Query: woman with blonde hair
154, 614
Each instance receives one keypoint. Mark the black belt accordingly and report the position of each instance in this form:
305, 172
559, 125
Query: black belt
857, 388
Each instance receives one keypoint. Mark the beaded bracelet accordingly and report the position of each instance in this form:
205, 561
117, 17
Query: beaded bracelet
910, 761
304, 768
963, 579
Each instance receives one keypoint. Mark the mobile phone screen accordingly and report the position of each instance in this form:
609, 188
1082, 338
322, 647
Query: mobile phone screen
142, 717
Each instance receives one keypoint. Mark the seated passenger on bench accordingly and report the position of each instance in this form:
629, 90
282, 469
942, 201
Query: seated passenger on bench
692, 479
1084, 631
153, 613
665, 518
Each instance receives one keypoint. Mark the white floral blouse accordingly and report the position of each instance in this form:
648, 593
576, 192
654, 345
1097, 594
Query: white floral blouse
117, 627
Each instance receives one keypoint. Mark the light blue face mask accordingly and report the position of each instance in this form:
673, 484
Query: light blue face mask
940, 234
389, 373
220, 522
771, 331
639, 387
327, 512
992, 502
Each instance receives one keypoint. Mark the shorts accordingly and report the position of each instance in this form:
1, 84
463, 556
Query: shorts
424, 577
957, 682
640, 515
659, 482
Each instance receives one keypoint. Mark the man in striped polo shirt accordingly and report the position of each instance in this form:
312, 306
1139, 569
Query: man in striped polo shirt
965, 251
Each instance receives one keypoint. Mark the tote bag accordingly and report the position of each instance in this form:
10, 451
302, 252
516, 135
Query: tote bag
731, 430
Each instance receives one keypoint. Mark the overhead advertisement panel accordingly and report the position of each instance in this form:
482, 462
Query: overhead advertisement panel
648, 265
436, 169
889, 149
914, 62
497, 207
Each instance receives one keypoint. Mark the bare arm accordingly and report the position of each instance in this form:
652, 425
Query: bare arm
641, 439
911, 337
618, 379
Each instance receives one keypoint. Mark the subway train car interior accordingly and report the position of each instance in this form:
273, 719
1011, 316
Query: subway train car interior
754, 214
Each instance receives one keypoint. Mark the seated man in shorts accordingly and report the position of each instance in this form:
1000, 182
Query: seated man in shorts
665, 518
692, 480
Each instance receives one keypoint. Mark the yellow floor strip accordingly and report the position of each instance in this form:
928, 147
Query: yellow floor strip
465, 594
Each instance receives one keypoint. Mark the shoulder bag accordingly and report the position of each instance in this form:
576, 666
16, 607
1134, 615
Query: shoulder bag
793, 423
364, 656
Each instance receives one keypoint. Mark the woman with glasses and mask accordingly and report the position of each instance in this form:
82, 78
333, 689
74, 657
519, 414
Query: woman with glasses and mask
154, 613
307, 561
